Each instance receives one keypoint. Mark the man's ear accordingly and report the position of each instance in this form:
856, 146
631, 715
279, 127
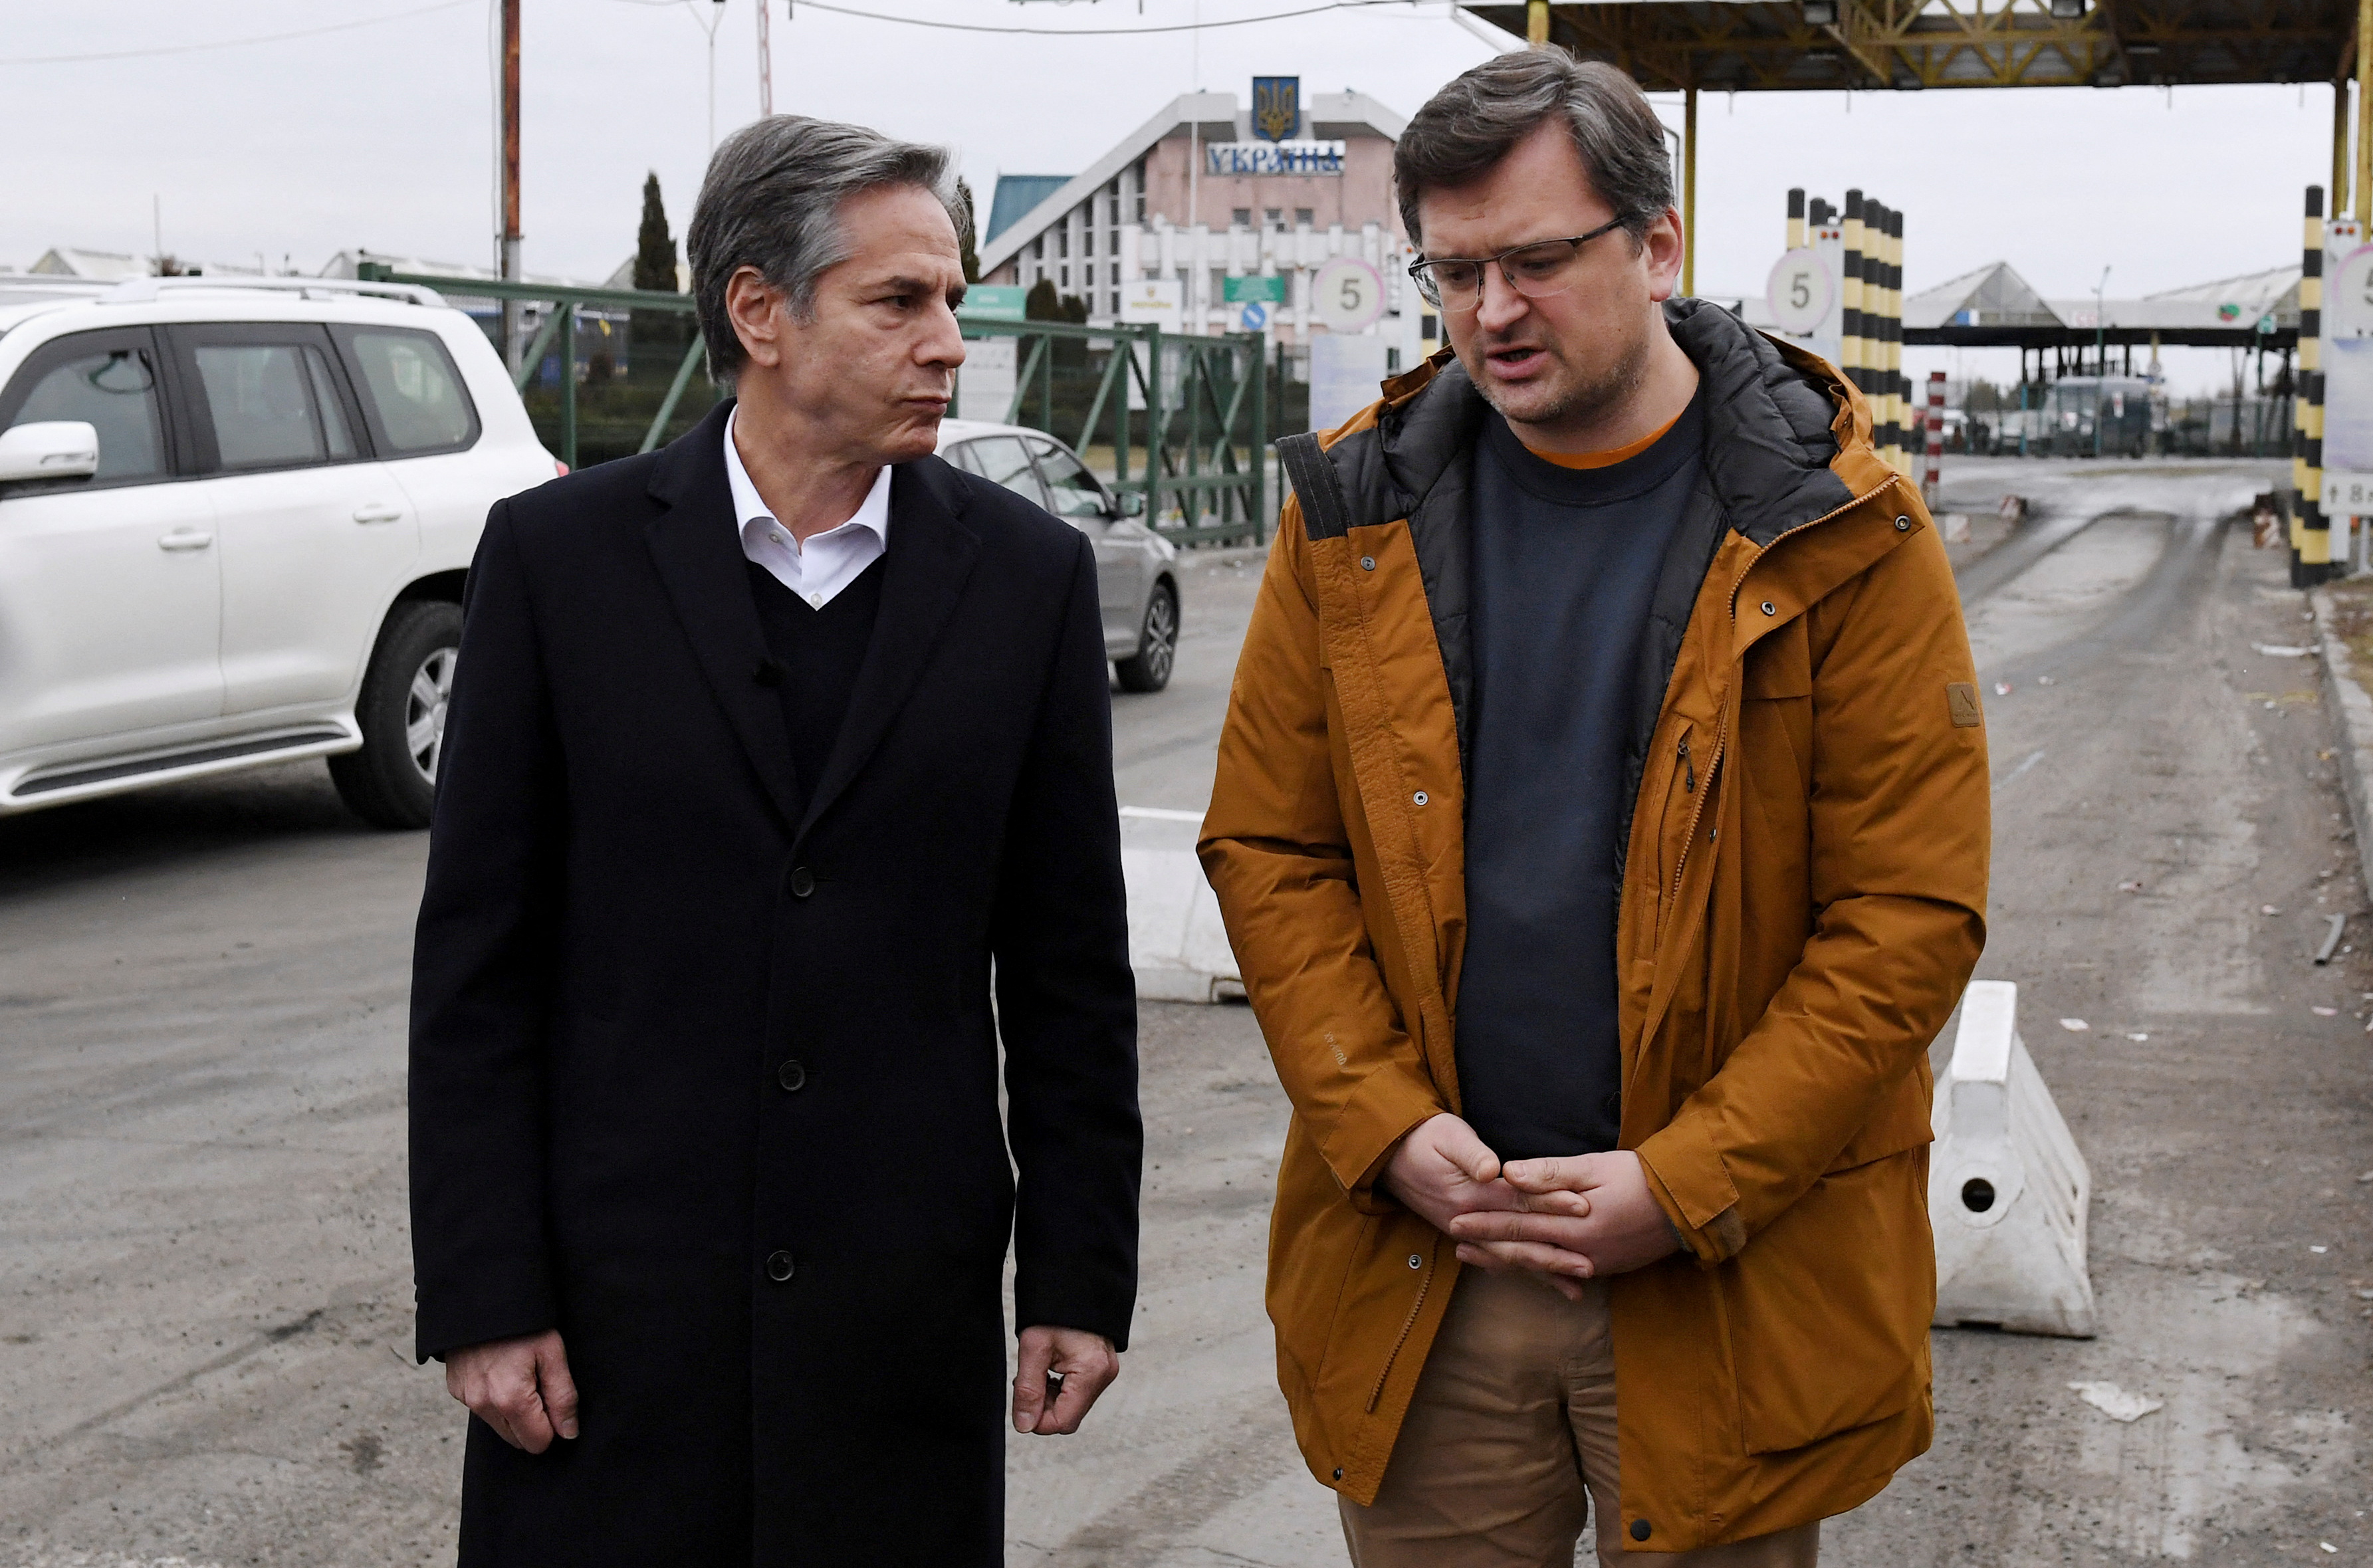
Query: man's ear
755, 309
1663, 246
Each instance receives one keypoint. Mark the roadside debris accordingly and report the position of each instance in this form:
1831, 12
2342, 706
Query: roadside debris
2331, 939
2325, 1012
2282, 650
2075, 1025
2134, 886
2116, 1402
2265, 522
2138, 1034
2268, 910
1954, 527
2002, 688
2013, 508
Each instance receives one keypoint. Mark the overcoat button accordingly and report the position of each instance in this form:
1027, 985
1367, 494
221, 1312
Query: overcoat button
1770, 608
1416, 1261
802, 882
1902, 525
1338, 1472
778, 1267
1641, 1529
1419, 797
791, 1075
1367, 563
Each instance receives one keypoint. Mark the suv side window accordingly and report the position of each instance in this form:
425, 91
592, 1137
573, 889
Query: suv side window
264, 395
108, 379
413, 393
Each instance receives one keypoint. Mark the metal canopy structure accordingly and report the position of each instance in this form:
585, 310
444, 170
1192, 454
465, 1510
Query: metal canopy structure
1694, 46
1830, 45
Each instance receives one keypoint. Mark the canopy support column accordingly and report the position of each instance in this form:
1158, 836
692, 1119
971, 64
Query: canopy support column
1690, 183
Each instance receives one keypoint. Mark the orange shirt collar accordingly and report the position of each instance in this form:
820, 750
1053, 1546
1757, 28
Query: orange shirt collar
1608, 459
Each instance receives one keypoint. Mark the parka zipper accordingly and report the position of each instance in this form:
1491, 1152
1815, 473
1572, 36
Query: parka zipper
1689, 774
1425, 1282
1696, 813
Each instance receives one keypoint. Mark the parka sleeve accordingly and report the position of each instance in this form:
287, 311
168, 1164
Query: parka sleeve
1900, 834
1275, 847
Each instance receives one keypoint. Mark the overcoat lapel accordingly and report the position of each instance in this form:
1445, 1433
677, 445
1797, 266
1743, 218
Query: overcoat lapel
700, 561
924, 568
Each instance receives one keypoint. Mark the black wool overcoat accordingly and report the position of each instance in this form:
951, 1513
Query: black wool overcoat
676, 1011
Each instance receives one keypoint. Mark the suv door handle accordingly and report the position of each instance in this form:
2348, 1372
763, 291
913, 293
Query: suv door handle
186, 539
377, 511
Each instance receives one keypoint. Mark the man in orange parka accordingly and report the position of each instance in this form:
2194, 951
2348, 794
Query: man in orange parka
1601, 826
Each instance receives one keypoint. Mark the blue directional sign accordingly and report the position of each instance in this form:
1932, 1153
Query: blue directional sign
1254, 316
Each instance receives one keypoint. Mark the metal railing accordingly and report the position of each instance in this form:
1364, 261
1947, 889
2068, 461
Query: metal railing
1183, 421
621, 394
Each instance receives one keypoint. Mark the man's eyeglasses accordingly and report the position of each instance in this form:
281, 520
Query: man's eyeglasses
1535, 271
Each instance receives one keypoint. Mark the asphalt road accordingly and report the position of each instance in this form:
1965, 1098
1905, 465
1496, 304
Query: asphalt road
204, 1270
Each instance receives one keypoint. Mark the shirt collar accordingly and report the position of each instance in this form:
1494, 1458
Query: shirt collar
873, 512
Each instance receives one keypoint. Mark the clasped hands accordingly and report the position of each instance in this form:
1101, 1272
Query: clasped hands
1566, 1220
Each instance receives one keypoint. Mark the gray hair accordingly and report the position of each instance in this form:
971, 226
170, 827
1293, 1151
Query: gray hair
1479, 118
772, 201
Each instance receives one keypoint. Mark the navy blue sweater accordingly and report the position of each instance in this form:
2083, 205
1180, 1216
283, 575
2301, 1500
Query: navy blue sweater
1564, 566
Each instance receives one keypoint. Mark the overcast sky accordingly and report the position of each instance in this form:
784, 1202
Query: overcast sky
382, 135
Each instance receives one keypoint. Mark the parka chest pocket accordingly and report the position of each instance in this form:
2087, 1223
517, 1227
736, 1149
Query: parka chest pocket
1775, 722
1780, 665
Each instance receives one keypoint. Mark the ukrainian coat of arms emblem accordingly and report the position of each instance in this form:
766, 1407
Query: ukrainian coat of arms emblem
1277, 108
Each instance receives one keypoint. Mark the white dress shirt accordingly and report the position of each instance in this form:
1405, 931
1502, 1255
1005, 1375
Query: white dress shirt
831, 560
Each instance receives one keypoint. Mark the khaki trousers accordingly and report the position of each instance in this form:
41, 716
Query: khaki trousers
1511, 1437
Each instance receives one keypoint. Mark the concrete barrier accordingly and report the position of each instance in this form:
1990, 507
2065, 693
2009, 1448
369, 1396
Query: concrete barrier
2008, 1187
1176, 943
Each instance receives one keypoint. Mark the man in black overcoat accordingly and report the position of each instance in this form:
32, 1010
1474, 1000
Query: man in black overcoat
772, 756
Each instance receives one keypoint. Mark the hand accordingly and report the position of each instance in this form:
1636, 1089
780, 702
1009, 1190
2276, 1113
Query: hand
521, 1387
1082, 1366
1619, 1226
1441, 1170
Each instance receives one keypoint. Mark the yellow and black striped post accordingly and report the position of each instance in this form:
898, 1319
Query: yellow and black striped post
1909, 434
1850, 281
1796, 217
2311, 530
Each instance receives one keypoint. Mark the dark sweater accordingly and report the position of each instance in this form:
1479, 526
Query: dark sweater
821, 652
1564, 566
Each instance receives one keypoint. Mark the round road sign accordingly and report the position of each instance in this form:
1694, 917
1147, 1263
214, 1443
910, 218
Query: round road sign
1255, 315
1347, 295
1800, 292
2348, 295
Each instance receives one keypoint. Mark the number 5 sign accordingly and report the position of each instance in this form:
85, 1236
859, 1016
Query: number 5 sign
1347, 295
1800, 293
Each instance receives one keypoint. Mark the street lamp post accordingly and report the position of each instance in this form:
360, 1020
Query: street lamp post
2100, 358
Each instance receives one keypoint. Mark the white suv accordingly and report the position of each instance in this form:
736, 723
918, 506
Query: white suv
234, 519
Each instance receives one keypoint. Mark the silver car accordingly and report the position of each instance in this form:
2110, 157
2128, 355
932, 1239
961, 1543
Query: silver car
1136, 580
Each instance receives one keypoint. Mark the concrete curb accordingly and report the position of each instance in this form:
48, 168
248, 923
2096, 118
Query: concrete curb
2350, 710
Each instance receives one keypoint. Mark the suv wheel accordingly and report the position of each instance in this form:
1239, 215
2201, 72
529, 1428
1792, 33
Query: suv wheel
392, 781
1157, 644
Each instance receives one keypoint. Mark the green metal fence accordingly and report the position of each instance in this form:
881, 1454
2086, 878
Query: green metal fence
1181, 421
629, 379
607, 372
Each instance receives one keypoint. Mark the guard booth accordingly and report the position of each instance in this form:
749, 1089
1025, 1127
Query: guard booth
2102, 416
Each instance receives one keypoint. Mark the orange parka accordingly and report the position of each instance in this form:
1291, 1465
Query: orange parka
1802, 899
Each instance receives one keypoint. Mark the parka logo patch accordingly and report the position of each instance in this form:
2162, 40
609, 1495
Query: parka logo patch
1961, 699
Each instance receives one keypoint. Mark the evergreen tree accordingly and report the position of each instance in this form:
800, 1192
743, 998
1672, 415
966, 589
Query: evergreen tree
967, 231
654, 246
1042, 303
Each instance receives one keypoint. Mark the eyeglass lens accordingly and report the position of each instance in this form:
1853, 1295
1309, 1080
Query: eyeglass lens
1536, 272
